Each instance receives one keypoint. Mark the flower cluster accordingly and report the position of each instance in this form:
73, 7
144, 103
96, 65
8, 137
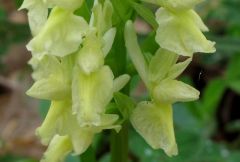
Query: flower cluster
68, 61
179, 33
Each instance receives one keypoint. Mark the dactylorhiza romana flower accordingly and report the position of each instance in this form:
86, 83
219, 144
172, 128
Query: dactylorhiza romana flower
180, 27
178, 33
68, 61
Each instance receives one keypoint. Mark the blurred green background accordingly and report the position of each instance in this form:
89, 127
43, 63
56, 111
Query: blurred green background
207, 130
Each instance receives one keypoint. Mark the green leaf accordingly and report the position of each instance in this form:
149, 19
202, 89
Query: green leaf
122, 11
211, 96
149, 44
233, 71
226, 45
235, 85
146, 14
89, 155
125, 104
84, 11
233, 126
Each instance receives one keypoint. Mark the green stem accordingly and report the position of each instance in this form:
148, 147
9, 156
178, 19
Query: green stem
119, 145
118, 60
88, 156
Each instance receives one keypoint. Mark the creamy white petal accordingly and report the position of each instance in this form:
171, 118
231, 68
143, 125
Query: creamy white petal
154, 122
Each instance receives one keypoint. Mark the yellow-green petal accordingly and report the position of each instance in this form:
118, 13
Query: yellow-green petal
45, 67
91, 94
53, 88
120, 82
50, 124
101, 17
171, 91
37, 14
135, 52
61, 35
53, 78
58, 149
91, 57
175, 5
181, 33
108, 39
67, 4
154, 122
160, 64
178, 69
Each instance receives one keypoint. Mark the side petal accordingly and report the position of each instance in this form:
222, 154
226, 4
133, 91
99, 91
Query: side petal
91, 57
101, 17
135, 52
37, 14
120, 82
197, 20
171, 91
61, 35
53, 88
178, 68
108, 121
50, 124
108, 39
160, 64
81, 140
155, 124
45, 66
58, 149
180, 33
